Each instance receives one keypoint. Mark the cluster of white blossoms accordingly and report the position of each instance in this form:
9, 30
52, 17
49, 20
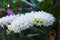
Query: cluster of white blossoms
27, 20
21, 23
7, 20
43, 18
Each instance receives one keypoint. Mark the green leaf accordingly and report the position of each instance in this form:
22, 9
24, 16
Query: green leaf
31, 35
24, 38
0, 5
55, 9
45, 4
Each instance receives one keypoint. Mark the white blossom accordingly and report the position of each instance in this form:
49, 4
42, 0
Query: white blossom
26, 21
47, 18
8, 5
40, 0
21, 23
7, 19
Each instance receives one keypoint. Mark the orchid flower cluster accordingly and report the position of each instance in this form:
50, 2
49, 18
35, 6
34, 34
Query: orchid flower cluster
6, 20
17, 23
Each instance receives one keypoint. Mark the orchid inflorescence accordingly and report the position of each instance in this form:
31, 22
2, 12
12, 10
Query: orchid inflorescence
17, 23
